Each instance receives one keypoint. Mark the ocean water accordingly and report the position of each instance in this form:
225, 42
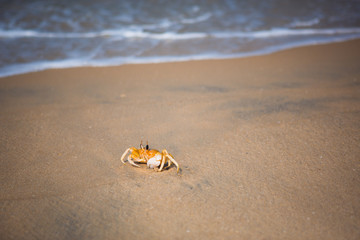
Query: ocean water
43, 34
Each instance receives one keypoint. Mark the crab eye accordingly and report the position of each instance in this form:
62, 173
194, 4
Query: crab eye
147, 147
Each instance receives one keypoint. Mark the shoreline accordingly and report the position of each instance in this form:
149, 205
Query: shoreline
268, 147
63, 64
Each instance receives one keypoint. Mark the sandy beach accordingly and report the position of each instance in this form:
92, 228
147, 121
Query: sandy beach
269, 148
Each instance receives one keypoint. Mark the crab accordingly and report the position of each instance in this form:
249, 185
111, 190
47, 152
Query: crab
153, 158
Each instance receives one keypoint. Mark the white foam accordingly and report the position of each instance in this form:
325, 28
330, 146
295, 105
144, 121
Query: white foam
117, 61
37, 34
138, 33
106, 33
305, 23
200, 18
306, 37
283, 32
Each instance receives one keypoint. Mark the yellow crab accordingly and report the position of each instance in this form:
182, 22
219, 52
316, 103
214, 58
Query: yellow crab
153, 158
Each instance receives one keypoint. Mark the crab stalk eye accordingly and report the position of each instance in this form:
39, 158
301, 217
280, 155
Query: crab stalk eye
147, 147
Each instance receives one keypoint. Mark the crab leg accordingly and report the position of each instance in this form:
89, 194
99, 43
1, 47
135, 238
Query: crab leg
173, 160
132, 162
169, 163
163, 160
165, 153
124, 154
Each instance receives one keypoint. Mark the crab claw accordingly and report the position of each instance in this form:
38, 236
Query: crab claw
154, 161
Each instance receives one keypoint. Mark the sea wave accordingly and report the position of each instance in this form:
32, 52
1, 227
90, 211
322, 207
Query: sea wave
134, 33
44, 34
21, 68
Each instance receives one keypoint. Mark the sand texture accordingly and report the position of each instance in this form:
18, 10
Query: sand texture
269, 148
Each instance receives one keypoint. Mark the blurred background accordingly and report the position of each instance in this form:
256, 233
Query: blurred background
42, 34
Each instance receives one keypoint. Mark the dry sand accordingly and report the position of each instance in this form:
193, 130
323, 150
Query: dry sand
269, 148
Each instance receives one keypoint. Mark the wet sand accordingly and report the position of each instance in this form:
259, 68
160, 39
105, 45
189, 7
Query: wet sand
269, 148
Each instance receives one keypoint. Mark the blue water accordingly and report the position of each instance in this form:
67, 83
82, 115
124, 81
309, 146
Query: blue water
43, 34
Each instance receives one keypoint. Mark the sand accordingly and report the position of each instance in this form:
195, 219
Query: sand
269, 148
